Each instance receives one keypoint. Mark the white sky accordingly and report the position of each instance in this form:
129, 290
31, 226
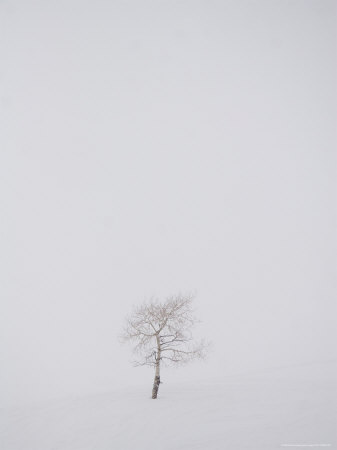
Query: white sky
151, 147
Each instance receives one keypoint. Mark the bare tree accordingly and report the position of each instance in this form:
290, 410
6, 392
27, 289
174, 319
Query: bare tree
161, 333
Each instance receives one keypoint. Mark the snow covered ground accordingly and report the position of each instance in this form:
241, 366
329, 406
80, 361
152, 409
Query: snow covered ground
262, 410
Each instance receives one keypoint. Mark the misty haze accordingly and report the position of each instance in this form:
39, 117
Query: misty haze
154, 148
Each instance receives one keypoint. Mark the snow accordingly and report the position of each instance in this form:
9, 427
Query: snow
261, 410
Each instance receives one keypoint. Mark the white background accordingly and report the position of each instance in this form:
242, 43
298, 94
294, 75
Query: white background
152, 147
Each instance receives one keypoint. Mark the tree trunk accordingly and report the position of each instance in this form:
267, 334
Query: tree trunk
155, 388
156, 381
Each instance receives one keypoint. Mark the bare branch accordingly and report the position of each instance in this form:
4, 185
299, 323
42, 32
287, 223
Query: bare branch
162, 332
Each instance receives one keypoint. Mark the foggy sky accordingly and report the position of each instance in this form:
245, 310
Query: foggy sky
155, 147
